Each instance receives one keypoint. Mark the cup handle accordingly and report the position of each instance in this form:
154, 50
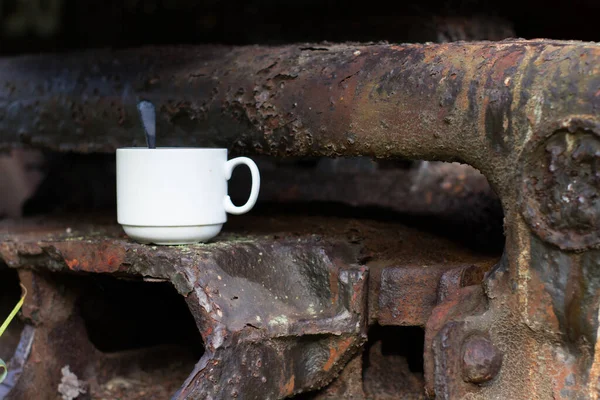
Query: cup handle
229, 167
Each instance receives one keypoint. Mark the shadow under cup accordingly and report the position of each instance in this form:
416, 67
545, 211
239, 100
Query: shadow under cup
176, 195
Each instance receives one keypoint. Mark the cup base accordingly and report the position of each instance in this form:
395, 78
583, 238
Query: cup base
172, 235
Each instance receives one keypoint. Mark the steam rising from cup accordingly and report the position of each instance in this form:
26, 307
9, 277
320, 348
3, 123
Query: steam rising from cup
148, 116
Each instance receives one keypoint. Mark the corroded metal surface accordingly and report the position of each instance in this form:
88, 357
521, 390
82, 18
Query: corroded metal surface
444, 334
280, 310
469, 101
56, 336
253, 317
406, 296
525, 113
481, 360
560, 188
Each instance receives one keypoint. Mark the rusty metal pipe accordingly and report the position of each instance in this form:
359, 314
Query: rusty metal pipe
476, 102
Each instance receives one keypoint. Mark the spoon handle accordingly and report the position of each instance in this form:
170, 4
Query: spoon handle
148, 115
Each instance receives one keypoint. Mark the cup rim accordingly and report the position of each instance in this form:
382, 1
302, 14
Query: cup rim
172, 148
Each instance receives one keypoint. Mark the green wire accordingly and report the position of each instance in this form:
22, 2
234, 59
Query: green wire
4, 370
10, 317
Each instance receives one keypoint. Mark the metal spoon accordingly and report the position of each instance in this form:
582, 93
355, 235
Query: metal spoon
148, 115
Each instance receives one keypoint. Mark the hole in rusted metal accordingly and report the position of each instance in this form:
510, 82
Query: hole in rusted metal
393, 362
399, 341
123, 315
450, 199
10, 293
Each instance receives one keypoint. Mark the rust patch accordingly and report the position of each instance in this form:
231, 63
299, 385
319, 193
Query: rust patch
407, 295
560, 198
499, 98
101, 257
336, 352
481, 359
288, 388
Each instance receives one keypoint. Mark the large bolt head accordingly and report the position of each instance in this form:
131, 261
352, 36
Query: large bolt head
481, 360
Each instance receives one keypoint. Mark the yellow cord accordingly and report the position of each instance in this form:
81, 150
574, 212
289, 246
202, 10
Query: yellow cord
3, 367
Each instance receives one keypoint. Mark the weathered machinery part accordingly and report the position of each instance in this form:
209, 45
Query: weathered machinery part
525, 113
281, 303
253, 318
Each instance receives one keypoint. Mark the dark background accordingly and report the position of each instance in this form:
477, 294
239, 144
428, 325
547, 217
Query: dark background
59, 25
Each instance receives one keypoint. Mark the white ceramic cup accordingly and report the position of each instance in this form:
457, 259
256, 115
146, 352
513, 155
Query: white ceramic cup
177, 195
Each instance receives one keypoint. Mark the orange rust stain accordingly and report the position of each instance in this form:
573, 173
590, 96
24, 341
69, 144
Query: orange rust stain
336, 352
93, 257
113, 260
430, 53
539, 304
510, 59
288, 388
561, 377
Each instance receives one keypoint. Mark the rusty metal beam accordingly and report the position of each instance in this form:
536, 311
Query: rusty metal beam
281, 309
277, 317
475, 102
